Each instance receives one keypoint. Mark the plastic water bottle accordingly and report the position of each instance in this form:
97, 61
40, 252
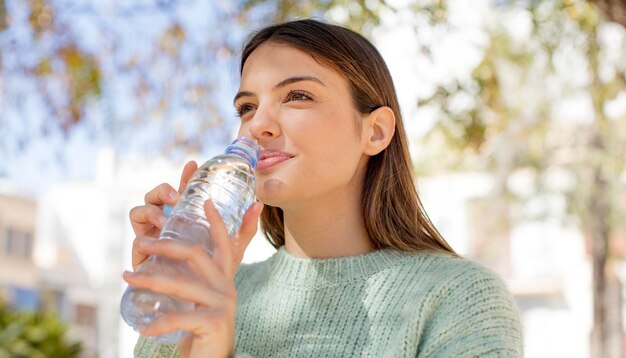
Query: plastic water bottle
228, 180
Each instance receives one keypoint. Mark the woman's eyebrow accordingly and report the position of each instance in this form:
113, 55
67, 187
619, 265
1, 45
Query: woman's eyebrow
291, 80
282, 83
242, 94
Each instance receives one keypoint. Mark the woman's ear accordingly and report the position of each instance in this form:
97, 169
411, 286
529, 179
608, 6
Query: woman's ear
379, 127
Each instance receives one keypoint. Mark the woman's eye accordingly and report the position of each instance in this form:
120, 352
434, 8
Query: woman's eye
244, 108
298, 96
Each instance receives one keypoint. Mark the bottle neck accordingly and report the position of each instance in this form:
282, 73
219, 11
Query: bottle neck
245, 148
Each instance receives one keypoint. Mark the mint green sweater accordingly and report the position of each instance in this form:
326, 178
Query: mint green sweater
386, 303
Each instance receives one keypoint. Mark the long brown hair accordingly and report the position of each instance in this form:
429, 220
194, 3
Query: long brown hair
392, 211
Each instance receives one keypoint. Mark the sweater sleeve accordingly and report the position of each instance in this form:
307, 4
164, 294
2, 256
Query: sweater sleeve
476, 316
148, 348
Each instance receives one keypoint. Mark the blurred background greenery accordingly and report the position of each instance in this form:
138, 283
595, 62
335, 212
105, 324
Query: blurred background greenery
33, 334
529, 96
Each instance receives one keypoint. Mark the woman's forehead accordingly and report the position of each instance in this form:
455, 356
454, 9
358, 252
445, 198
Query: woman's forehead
271, 53
283, 61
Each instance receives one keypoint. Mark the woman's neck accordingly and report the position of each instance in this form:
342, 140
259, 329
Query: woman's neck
334, 228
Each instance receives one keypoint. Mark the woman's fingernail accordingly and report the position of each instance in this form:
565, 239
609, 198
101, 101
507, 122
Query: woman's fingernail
162, 219
173, 195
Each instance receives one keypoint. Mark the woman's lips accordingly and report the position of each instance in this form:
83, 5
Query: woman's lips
270, 158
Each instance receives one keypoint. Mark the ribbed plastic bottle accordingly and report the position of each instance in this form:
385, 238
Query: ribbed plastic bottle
228, 180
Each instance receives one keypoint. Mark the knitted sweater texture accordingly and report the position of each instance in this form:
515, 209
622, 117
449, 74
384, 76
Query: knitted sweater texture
386, 303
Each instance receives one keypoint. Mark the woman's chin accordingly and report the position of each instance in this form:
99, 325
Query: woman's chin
270, 191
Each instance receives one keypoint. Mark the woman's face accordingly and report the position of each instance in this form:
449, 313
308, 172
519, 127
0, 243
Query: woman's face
303, 117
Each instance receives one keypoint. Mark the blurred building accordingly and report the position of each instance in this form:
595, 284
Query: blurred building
62, 287
19, 277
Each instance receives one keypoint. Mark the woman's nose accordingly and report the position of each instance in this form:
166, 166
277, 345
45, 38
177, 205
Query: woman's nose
264, 125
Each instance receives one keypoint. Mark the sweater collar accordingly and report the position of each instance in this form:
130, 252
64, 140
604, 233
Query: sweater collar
306, 272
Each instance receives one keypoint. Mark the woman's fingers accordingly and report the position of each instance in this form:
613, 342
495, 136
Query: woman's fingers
188, 171
162, 194
165, 193
145, 218
200, 323
195, 256
180, 286
228, 253
211, 332
222, 251
139, 254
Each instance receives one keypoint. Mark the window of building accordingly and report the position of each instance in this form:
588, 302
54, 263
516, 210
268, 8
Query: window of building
8, 242
23, 298
85, 315
17, 243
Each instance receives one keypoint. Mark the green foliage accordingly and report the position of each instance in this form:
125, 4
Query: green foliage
513, 128
33, 335
3, 15
67, 75
83, 80
360, 15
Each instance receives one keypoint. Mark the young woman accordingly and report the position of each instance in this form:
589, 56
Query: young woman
360, 269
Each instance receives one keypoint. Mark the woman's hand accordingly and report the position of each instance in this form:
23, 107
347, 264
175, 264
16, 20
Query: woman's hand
147, 220
211, 325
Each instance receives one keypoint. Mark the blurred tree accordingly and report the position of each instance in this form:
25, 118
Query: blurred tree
615, 10
361, 16
154, 77
3, 15
115, 72
33, 335
514, 122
